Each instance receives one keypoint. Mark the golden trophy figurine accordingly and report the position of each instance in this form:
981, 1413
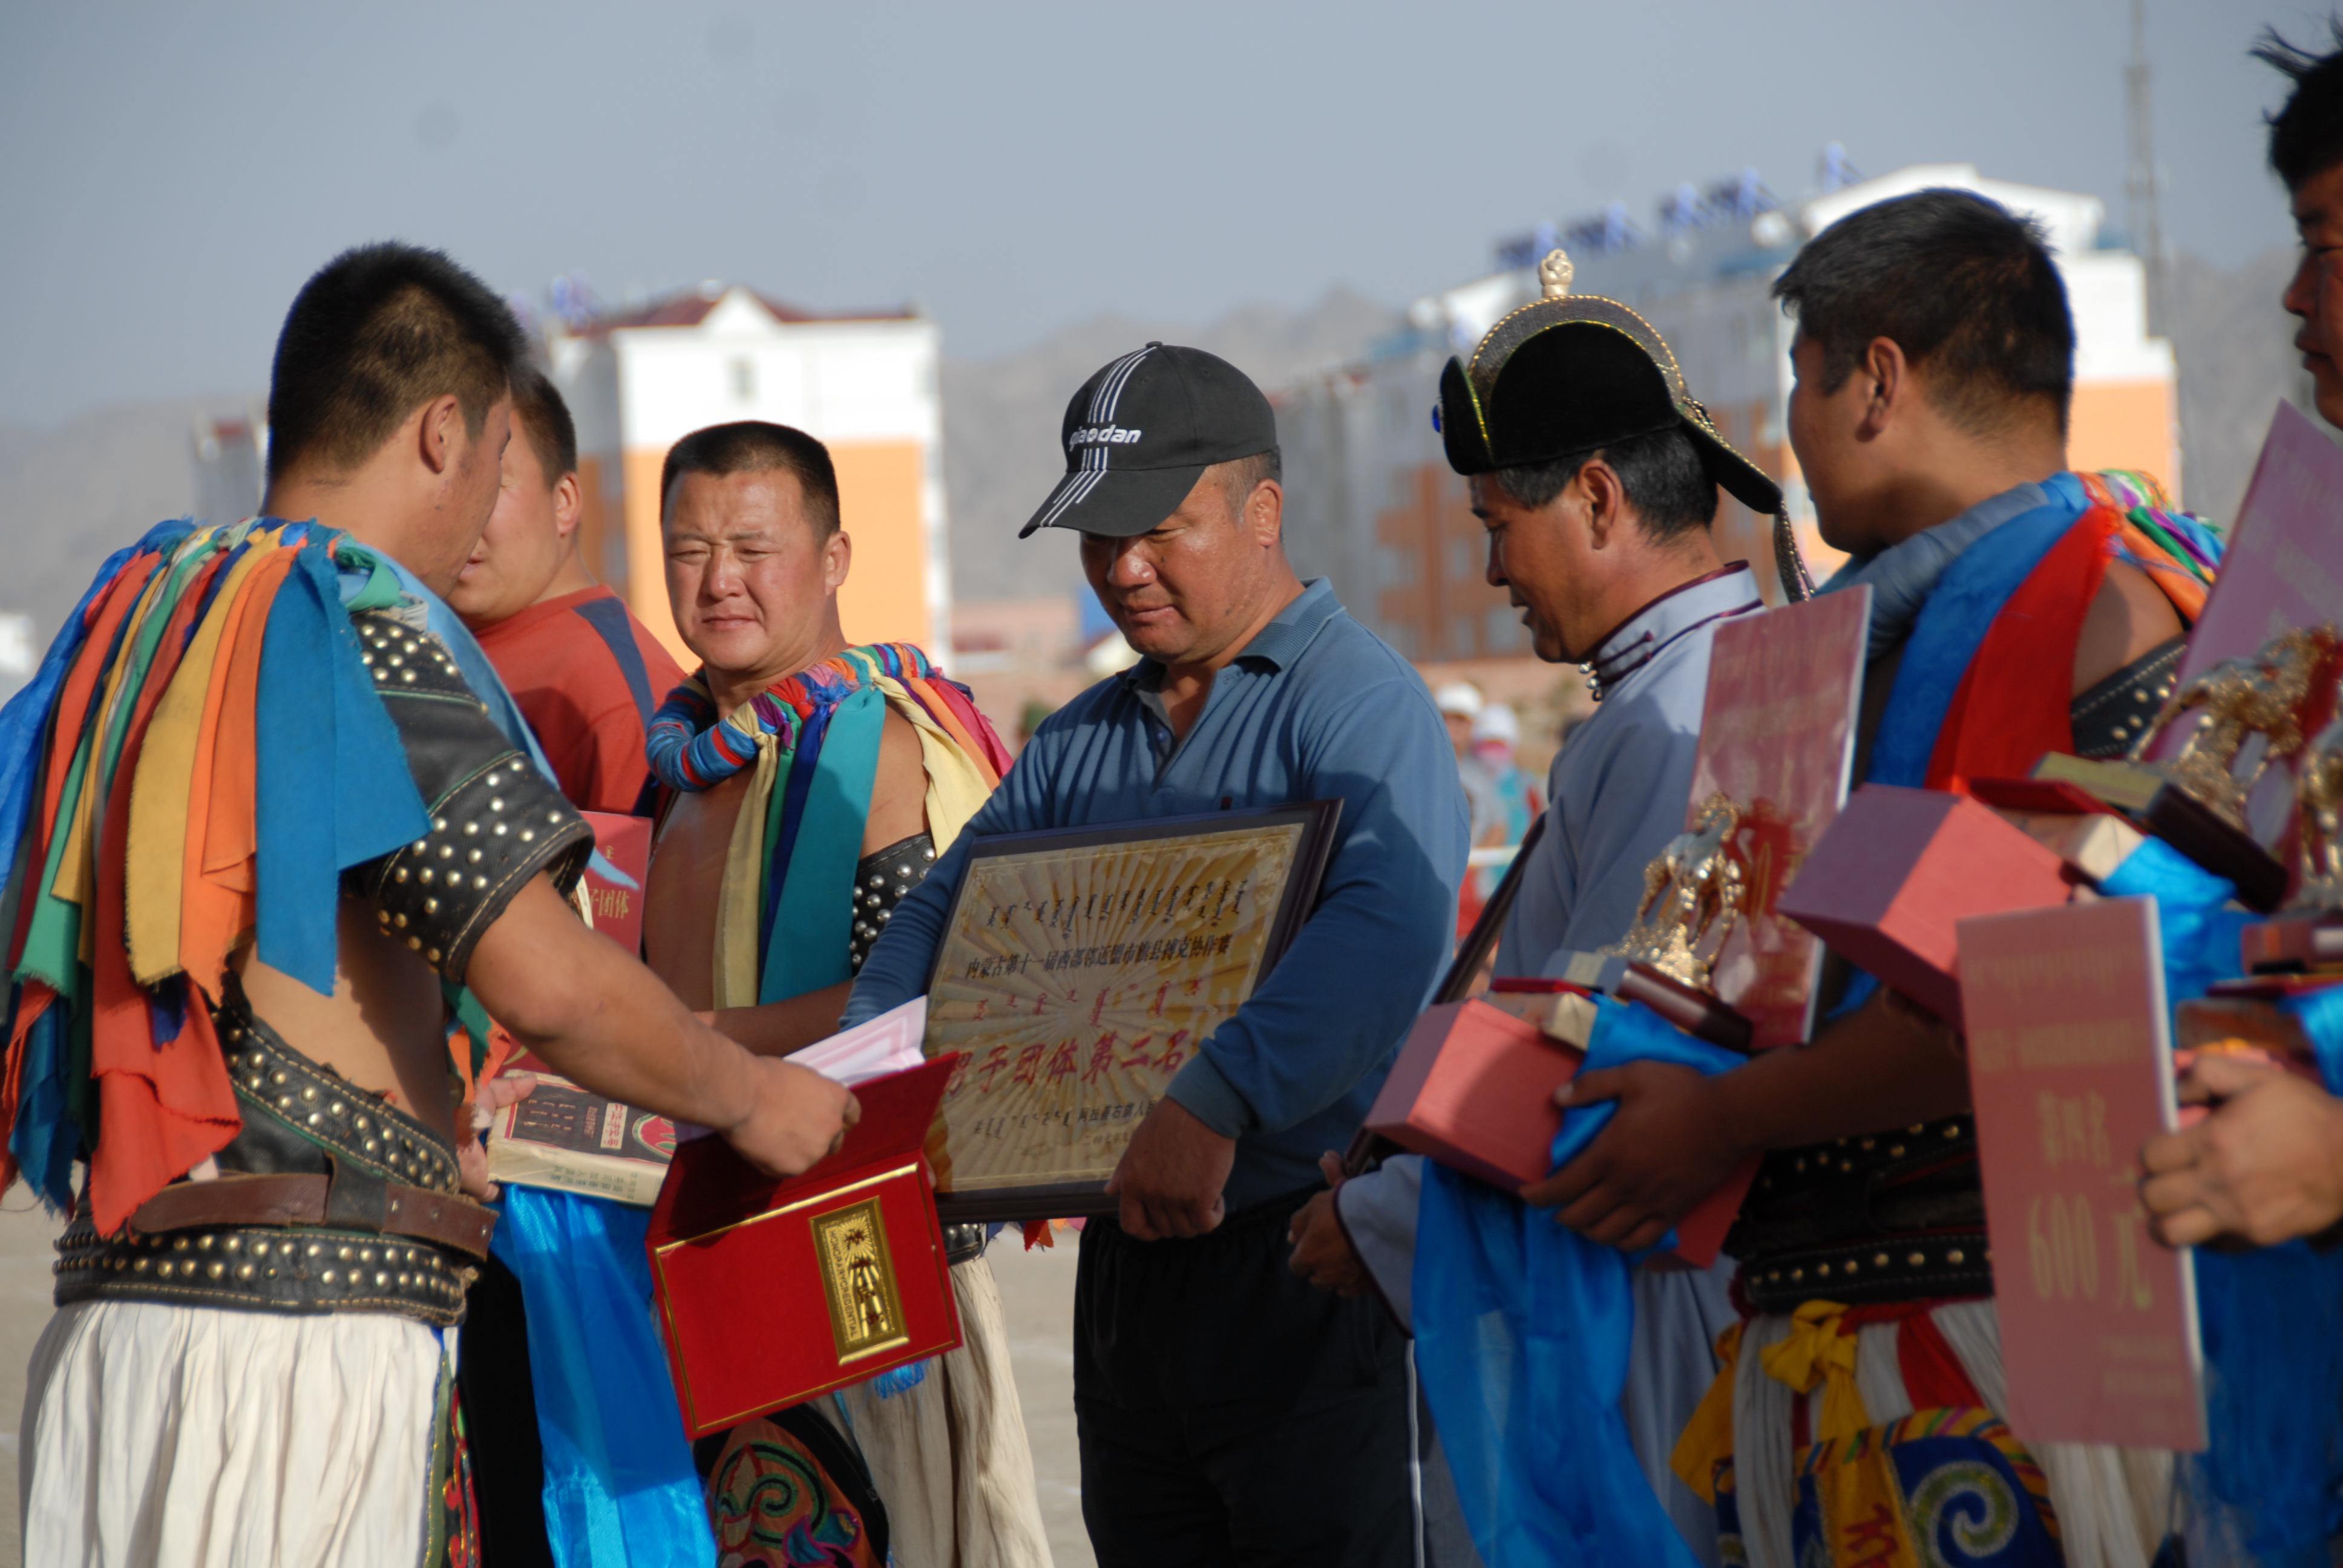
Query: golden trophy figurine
2244, 714
2318, 803
1693, 894
2260, 694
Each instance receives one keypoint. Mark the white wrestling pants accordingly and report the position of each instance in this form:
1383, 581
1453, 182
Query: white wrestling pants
157, 1436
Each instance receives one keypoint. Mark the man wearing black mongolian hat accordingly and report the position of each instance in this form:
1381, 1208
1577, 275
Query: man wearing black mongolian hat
1597, 477
2017, 607
1228, 1415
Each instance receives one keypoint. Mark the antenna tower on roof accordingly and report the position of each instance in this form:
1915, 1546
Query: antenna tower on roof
2140, 182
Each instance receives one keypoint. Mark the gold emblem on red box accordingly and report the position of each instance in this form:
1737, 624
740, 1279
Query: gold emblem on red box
858, 1276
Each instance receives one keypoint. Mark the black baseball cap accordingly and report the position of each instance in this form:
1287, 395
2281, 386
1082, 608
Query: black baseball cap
1141, 431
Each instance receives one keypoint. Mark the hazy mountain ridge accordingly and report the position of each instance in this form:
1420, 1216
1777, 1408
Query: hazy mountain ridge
71, 495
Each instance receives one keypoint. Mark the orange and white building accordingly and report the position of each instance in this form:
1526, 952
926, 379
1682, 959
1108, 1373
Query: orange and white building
1373, 504
864, 384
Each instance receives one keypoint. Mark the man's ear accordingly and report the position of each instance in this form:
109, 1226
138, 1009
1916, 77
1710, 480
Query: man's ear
1890, 390
1265, 512
837, 560
568, 507
437, 429
1607, 501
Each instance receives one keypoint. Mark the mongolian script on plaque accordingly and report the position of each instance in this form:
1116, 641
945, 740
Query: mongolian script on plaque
1079, 980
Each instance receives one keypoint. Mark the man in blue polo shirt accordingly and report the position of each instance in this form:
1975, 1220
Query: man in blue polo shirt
1229, 1414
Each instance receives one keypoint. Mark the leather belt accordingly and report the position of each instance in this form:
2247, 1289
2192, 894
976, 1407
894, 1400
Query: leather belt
349, 1199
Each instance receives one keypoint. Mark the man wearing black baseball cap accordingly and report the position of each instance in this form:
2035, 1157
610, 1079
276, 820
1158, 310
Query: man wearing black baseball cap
1228, 1413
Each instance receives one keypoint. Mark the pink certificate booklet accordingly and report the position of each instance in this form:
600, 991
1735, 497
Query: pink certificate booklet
1778, 738
2070, 1065
2283, 567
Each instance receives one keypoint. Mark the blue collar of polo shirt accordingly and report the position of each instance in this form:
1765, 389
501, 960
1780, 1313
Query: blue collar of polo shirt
1276, 645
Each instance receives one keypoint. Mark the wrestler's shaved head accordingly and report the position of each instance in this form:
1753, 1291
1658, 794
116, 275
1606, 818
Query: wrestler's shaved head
377, 333
758, 447
1967, 289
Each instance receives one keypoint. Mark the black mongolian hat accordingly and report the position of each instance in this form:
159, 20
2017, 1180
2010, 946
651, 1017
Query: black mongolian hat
1569, 372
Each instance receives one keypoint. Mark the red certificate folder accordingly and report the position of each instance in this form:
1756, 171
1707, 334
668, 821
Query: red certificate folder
1898, 871
618, 901
2070, 1067
770, 1293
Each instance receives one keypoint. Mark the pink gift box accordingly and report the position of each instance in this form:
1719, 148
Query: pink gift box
1888, 885
1473, 1089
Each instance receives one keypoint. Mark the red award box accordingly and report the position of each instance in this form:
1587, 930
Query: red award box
1888, 884
624, 842
2070, 1070
772, 1291
1473, 1089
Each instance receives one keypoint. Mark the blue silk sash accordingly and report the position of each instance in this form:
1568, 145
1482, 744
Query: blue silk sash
2268, 1488
1523, 1329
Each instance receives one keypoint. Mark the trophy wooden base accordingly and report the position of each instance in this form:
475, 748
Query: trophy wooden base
2154, 803
2294, 944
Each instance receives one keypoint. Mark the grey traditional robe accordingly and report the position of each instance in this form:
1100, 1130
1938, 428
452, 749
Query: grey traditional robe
1619, 791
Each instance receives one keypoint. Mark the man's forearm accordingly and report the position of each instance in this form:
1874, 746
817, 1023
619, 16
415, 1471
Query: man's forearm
601, 1018
1885, 1065
779, 1028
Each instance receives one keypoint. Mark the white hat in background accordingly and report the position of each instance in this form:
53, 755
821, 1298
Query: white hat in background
1461, 697
1497, 722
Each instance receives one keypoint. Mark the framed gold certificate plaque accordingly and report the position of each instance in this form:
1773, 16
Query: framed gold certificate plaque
1080, 970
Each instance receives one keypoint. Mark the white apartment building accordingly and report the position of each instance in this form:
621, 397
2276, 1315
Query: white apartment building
1372, 502
864, 384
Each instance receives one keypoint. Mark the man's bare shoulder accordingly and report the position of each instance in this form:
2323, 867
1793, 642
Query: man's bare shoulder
2129, 619
899, 793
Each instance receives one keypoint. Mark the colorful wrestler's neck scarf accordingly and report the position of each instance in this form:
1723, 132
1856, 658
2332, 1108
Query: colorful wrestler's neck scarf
809, 744
199, 757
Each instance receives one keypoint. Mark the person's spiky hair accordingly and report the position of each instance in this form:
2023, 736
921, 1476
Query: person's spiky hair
378, 332
1964, 287
2306, 133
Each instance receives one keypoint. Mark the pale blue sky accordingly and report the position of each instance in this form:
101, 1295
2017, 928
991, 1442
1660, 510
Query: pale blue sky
170, 173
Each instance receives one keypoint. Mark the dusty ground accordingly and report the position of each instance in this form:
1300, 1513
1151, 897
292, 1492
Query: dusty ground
1037, 1299
1037, 1295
